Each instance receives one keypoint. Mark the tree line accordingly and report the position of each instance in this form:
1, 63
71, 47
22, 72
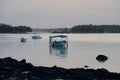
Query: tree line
5, 28
95, 29
90, 28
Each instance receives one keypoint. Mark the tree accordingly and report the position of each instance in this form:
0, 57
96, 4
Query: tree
5, 28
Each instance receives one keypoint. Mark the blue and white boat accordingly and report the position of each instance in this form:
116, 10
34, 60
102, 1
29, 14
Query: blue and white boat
23, 39
58, 40
36, 37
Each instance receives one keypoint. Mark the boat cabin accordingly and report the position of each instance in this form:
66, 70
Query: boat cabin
58, 40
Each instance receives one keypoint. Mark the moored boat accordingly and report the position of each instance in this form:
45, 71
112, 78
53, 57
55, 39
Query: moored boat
59, 40
36, 37
23, 39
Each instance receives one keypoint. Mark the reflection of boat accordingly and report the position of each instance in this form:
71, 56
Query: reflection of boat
59, 40
58, 45
23, 39
36, 37
60, 51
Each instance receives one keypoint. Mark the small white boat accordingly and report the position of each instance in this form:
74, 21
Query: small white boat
23, 39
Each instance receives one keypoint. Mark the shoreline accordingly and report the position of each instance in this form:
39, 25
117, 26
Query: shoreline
12, 69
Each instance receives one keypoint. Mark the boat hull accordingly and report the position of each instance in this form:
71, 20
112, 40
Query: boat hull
23, 40
58, 43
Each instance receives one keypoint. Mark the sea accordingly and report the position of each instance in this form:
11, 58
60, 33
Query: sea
82, 50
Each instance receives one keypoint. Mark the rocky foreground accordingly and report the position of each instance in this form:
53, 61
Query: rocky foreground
11, 69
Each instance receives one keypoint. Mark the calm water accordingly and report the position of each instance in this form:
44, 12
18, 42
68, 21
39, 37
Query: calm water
82, 50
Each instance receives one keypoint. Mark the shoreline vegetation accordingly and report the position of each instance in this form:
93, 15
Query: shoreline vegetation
5, 28
89, 28
12, 69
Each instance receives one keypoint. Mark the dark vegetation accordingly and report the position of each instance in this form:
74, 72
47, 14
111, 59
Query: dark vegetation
11, 69
92, 29
5, 28
95, 29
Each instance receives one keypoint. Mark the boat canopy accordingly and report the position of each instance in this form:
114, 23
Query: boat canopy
61, 36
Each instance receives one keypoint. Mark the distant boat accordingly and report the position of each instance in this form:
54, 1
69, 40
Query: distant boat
36, 37
59, 40
23, 39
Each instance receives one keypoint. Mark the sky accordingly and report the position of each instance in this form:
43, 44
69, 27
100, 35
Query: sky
59, 13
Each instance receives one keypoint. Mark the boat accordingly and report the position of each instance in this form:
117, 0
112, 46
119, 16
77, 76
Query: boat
36, 37
58, 40
23, 39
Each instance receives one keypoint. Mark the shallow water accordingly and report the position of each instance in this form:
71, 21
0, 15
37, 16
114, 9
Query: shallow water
82, 50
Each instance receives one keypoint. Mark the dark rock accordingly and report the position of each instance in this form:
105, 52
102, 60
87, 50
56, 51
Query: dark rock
103, 70
101, 58
54, 66
12, 69
86, 66
23, 61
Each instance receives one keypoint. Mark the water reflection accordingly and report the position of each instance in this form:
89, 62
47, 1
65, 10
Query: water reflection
60, 51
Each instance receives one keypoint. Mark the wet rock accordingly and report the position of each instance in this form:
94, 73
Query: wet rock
101, 58
86, 66
23, 61
12, 69
103, 70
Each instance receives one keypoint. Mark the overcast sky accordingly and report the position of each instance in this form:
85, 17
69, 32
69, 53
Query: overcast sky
59, 13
